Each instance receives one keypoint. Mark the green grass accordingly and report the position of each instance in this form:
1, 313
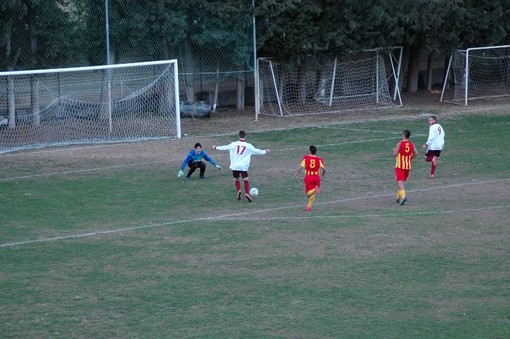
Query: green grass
135, 252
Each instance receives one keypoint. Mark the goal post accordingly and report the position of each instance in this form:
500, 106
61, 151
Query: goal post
81, 105
477, 73
350, 82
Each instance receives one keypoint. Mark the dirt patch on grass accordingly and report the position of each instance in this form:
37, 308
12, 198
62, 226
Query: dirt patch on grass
225, 122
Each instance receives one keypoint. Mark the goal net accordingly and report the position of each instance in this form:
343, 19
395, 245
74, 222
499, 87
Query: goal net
477, 73
366, 80
101, 104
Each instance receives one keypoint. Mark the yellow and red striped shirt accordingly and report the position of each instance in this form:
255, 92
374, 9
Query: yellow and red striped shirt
312, 164
404, 155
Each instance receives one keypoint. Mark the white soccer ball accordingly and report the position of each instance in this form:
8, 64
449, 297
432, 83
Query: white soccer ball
254, 192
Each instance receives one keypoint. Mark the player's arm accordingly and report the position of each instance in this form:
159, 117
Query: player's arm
301, 166
223, 147
183, 165
254, 150
415, 153
432, 135
211, 160
395, 149
186, 161
208, 158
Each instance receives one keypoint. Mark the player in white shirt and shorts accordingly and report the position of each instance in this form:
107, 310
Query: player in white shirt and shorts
434, 144
240, 157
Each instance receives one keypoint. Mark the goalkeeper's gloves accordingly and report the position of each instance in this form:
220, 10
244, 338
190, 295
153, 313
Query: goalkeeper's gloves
180, 174
218, 167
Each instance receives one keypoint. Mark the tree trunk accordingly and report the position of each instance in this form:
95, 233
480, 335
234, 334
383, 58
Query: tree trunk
7, 46
11, 102
302, 82
413, 68
240, 94
429, 72
34, 99
445, 71
32, 27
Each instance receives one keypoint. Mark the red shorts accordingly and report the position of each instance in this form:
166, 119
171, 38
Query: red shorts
311, 181
401, 174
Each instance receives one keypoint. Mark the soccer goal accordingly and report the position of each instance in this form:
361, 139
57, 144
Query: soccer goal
477, 73
359, 81
101, 104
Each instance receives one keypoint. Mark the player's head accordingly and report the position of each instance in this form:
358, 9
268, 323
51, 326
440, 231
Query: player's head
406, 133
242, 134
313, 149
432, 120
198, 148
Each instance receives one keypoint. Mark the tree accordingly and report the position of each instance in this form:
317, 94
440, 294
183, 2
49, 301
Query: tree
294, 29
54, 34
10, 11
40, 33
152, 28
289, 29
443, 26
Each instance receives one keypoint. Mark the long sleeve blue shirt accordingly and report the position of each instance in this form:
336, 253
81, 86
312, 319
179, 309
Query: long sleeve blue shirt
193, 156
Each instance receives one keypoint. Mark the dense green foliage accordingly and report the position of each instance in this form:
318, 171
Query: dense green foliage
217, 35
40, 34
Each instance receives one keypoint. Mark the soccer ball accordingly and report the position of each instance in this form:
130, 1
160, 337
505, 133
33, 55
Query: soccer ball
254, 192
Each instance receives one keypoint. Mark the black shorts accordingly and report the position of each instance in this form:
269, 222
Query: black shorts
195, 164
431, 153
242, 174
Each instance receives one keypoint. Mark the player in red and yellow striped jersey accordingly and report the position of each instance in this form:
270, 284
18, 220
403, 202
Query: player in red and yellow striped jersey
404, 152
314, 167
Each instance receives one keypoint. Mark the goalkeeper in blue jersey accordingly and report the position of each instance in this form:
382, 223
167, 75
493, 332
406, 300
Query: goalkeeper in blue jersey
194, 160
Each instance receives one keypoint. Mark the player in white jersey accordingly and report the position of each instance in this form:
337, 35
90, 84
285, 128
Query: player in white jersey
434, 144
240, 157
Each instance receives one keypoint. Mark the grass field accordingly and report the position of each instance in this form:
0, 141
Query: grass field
95, 242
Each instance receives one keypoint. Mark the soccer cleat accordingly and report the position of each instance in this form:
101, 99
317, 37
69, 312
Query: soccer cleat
317, 190
397, 200
403, 201
204, 177
432, 176
308, 208
239, 195
248, 197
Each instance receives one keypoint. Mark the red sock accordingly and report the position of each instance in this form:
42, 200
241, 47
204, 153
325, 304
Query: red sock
238, 185
246, 187
433, 169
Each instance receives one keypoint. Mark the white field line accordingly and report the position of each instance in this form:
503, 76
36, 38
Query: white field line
31, 176
364, 130
378, 119
60, 149
369, 215
331, 123
348, 142
234, 216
